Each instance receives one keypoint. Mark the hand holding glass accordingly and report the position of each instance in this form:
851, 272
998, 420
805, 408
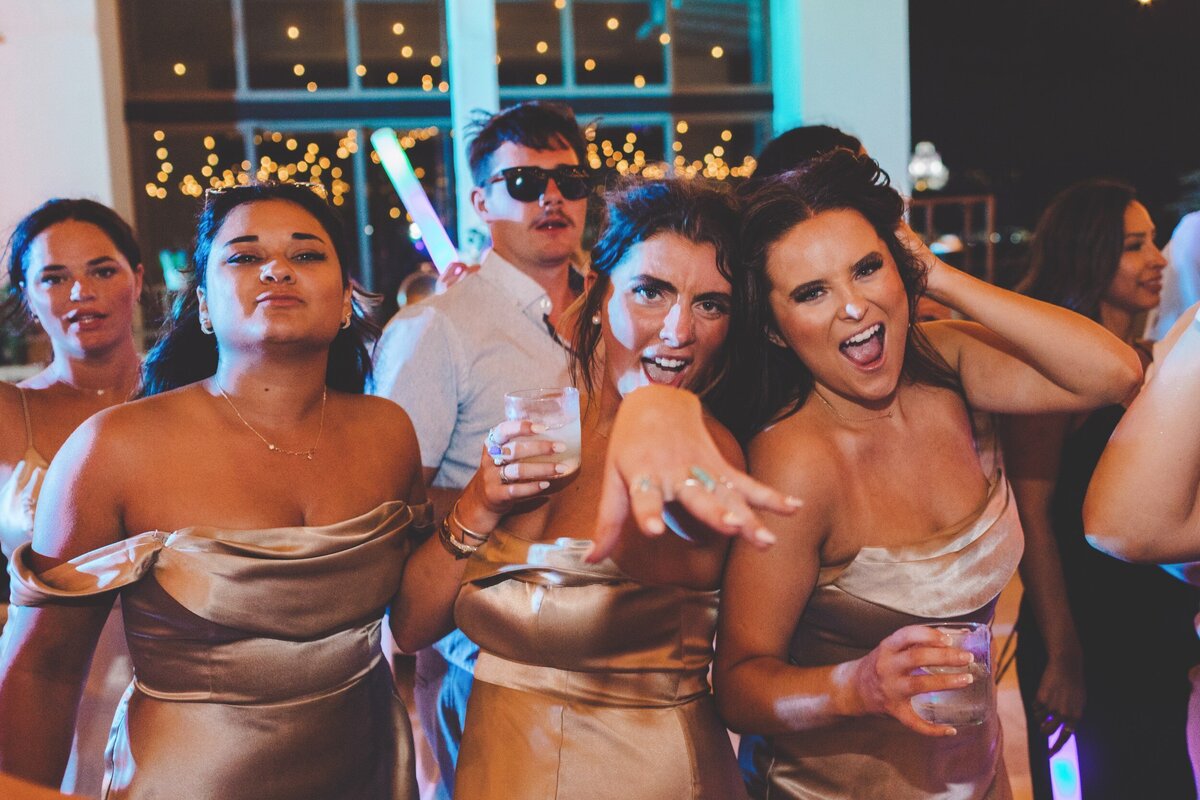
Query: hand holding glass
971, 704
556, 409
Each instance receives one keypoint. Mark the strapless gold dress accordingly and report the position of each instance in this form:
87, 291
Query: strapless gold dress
589, 684
258, 672
952, 576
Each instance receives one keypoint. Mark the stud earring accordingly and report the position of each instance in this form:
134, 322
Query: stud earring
346, 320
596, 318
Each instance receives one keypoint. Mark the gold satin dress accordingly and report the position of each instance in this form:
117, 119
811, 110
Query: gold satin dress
589, 684
955, 575
111, 668
258, 673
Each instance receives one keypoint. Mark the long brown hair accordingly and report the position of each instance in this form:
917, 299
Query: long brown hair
776, 379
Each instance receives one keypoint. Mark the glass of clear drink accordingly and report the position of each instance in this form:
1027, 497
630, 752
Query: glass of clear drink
971, 704
558, 410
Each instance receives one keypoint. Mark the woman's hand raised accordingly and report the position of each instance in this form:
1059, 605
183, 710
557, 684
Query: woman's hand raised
505, 476
660, 452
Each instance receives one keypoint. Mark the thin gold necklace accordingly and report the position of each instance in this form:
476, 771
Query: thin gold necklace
308, 454
886, 415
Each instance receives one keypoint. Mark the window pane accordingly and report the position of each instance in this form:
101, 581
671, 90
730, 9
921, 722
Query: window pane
619, 43
169, 47
296, 44
717, 150
628, 149
718, 42
528, 42
402, 46
395, 244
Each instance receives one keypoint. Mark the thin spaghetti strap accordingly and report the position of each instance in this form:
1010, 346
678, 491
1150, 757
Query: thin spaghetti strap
28, 424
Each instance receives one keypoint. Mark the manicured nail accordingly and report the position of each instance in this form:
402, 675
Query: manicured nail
951, 732
507, 452
764, 536
543, 484
498, 461
732, 518
794, 502
537, 427
970, 658
559, 447
561, 469
946, 640
966, 679
654, 526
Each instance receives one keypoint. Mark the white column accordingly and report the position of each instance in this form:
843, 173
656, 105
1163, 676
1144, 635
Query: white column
474, 84
845, 63
63, 131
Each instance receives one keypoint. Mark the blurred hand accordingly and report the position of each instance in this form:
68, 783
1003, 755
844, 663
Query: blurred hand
651, 463
1060, 699
453, 274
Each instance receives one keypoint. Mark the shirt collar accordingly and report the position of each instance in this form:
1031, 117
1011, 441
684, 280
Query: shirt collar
527, 293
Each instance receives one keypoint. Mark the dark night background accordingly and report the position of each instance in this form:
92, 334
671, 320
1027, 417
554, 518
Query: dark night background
1023, 97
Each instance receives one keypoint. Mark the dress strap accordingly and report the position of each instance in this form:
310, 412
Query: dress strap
28, 423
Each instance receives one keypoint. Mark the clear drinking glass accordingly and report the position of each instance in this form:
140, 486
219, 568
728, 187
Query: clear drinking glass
558, 410
971, 704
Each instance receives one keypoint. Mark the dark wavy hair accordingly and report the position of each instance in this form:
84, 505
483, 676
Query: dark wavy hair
794, 148
51, 213
536, 124
776, 379
1077, 246
638, 210
185, 354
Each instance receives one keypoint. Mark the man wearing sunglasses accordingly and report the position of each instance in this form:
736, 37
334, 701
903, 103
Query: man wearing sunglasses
450, 359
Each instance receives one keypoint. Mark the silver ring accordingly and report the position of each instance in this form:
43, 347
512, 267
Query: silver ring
707, 481
643, 483
504, 475
687, 483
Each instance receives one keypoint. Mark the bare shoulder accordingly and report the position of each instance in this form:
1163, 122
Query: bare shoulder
12, 426
794, 457
384, 417
386, 432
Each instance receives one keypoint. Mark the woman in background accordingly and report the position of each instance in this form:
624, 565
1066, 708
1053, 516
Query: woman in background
75, 269
1103, 648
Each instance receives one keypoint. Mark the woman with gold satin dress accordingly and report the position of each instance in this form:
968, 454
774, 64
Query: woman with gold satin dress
907, 518
255, 513
592, 677
74, 269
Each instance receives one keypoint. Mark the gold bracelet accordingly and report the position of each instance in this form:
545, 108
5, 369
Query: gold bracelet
454, 547
467, 532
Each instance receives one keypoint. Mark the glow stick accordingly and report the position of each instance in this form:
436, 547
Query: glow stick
1064, 773
399, 169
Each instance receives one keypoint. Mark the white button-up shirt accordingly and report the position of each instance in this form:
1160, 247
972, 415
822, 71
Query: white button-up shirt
450, 359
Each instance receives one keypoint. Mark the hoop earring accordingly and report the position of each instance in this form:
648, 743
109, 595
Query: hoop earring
348, 319
206, 326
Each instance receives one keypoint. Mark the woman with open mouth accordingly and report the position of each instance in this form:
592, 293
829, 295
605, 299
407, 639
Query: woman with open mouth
592, 679
75, 268
874, 421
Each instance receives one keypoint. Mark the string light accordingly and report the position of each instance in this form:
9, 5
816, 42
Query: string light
681, 126
664, 39
398, 29
159, 136
180, 69
540, 80
293, 32
406, 51
360, 70
435, 61
542, 47
589, 64
613, 23
718, 51
639, 81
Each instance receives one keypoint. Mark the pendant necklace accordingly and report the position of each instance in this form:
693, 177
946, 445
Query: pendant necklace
308, 454
886, 415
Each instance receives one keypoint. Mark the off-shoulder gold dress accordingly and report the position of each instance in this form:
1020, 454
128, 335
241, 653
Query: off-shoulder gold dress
952, 576
258, 672
589, 684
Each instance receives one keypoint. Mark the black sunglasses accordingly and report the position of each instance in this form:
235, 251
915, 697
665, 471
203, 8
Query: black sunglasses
527, 184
